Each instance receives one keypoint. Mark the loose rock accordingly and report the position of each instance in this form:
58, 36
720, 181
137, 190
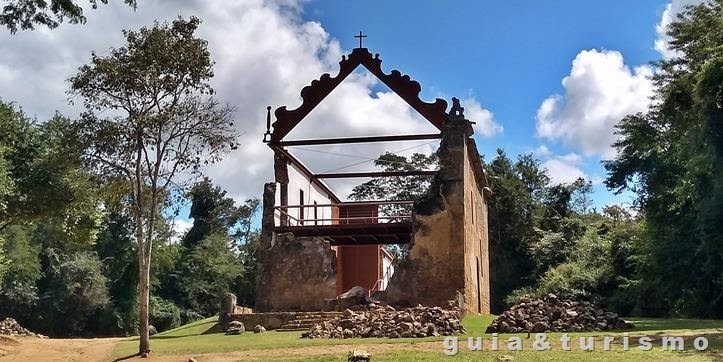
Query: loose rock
359, 356
11, 327
259, 329
380, 321
552, 314
235, 327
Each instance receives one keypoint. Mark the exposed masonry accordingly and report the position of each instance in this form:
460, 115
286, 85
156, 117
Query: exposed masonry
448, 256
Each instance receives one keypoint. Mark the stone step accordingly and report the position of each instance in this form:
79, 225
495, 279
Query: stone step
315, 317
323, 314
292, 329
303, 321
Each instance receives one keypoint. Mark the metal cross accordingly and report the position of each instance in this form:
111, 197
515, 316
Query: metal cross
360, 36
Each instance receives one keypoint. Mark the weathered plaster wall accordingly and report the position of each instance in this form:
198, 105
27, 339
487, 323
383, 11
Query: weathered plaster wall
298, 181
450, 233
476, 292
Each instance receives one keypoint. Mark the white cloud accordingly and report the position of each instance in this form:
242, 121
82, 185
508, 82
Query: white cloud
672, 9
565, 168
542, 151
485, 124
599, 91
180, 227
265, 53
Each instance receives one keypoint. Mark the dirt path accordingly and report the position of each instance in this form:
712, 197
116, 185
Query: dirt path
90, 350
315, 351
74, 350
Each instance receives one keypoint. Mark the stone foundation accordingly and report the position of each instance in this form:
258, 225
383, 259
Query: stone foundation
270, 321
296, 274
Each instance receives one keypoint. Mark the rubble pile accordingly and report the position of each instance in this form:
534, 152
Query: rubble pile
373, 320
10, 327
553, 314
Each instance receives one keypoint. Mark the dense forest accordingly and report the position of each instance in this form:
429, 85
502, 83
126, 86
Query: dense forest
68, 260
69, 227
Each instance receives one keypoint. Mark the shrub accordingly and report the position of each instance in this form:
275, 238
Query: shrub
188, 316
164, 314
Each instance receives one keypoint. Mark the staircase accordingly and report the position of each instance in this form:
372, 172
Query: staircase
303, 321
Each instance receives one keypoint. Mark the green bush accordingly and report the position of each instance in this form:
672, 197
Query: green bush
164, 314
188, 316
571, 280
518, 294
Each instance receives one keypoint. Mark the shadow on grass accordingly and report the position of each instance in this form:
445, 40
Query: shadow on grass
714, 348
650, 324
214, 329
187, 326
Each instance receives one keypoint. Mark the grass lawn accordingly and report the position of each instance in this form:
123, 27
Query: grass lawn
204, 337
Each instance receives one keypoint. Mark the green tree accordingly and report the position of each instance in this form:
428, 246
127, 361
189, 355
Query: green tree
206, 273
76, 290
672, 157
164, 124
396, 188
6, 188
25, 14
245, 286
19, 288
214, 212
114, 247
42, 172
6, 182
581, 198
518, 187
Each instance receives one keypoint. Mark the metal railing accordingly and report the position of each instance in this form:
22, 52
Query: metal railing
321, 214
379, 284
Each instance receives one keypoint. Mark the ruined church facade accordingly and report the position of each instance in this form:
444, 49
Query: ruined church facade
315, 247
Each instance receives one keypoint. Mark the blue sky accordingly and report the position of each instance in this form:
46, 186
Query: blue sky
510, 55
551, 77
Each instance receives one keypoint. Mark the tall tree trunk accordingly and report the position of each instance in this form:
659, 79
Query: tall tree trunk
144, 346
145, 281
143, 298
143, 295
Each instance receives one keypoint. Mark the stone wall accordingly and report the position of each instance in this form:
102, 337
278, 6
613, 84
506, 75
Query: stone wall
448, 258
476, 253
269, 321
296, 274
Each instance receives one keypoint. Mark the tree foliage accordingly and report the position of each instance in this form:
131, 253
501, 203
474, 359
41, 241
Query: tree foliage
396, 188
214, 212
39, 174
519, 188
206, 272
76, 290
672, 157
26, 14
